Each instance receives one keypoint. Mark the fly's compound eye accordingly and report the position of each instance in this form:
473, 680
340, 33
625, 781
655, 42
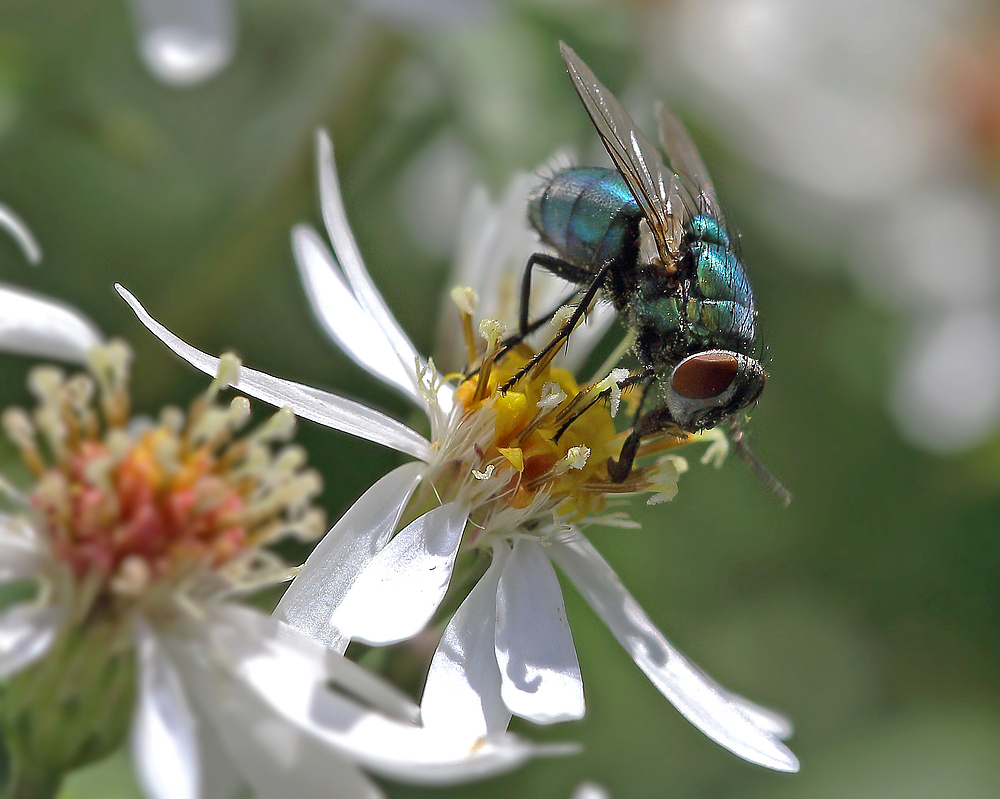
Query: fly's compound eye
708, 386
704, 375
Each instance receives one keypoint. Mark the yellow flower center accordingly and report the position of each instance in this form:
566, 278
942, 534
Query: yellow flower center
541, 437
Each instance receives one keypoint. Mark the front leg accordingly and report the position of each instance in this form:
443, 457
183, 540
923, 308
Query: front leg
645, 424
567, 327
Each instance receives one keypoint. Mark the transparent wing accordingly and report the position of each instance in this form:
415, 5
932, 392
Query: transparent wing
655, 187
686, 162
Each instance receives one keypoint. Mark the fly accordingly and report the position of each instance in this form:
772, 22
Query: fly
653, 241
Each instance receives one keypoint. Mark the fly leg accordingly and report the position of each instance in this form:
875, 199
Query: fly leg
515, 339
574, 414
567, 327
756, 465
558, 267
644, 425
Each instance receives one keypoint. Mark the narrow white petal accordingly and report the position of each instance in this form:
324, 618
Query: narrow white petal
37, 326
21, 233
378, 694
164, 740
462, 691
347, 323
309, 403
286, 672
333, 566
396, 595
699, 699
349, 256
765, 718
26, 634
275, 757
534, 644
220, 777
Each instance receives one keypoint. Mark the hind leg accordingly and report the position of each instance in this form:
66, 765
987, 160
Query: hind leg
559, 268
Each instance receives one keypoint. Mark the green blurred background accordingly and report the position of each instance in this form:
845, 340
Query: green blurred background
866, 611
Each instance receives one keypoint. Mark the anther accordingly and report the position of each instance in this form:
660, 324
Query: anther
492, 330
552, 396
226, 375
21, 432
576, 457
486, 474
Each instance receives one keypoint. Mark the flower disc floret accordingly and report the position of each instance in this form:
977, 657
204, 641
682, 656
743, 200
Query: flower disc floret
138, 506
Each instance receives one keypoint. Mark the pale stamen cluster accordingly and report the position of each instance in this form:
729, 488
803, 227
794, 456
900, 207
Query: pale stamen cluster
140, 510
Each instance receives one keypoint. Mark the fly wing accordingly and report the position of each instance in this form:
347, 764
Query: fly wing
687, 163
656, 188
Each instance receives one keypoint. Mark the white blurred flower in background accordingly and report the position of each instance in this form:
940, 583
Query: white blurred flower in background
185, 42
851, 106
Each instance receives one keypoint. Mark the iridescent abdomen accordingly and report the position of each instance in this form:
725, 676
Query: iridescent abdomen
721, 310
588, 214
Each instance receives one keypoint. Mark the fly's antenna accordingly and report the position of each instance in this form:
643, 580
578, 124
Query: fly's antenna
758, 467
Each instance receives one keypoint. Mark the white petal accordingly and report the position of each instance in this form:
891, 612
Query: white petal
185, 42
242, 678
765, 718
20, 557
462, 691
163, 739
21, 233
349, 256
34, 325
396, 595
330, 667
590, 790
309, 403
534, 645
286, 670
27, 631
373, 690
347, 323
220, 777
699, 699
344, 552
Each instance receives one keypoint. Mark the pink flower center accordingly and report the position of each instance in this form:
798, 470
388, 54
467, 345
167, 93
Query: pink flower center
139, 509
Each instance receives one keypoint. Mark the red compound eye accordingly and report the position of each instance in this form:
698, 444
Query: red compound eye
705, 375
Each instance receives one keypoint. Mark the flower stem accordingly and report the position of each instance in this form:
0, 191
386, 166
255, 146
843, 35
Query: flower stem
41, 782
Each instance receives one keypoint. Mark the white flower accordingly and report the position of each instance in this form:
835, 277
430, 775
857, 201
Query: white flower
867, 139
129, 549
381, 573
185, 42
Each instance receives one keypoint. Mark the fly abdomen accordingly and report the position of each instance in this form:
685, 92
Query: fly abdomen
721, 306
588, 214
